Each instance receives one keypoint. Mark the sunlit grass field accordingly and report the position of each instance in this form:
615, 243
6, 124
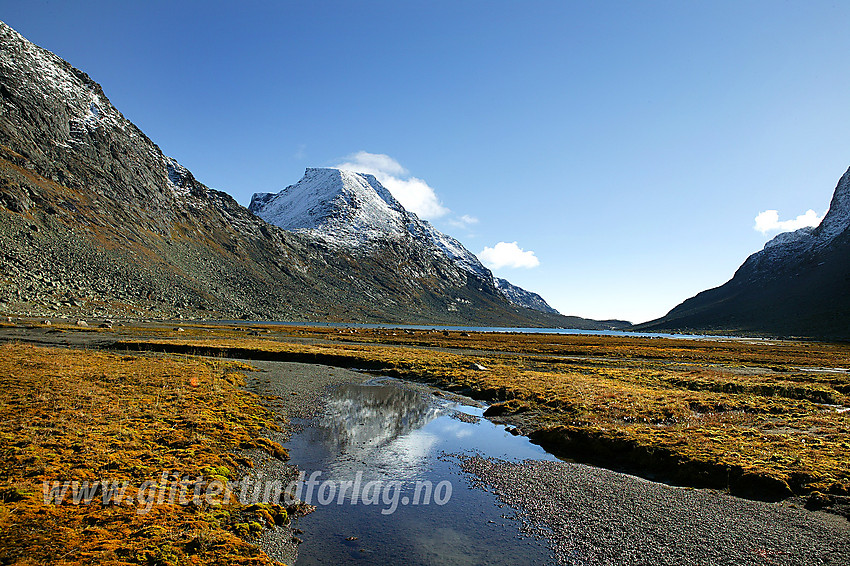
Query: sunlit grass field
85, 415
765, 418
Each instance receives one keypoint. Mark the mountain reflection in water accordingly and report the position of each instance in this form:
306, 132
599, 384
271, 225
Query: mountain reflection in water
376, 427
391, 430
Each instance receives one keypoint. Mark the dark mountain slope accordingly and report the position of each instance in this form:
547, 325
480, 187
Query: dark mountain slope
798, 285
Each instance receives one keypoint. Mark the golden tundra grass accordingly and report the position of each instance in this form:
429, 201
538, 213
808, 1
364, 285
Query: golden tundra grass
86, 415
763, 408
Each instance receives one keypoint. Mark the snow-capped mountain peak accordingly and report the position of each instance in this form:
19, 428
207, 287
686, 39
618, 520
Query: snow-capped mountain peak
836, 221
342, 208
346, 209
349, 209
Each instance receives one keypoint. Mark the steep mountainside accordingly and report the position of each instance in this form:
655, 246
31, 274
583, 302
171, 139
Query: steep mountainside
519, 296
95, 220
798, 285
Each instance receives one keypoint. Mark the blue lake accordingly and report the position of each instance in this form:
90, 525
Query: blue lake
506, 329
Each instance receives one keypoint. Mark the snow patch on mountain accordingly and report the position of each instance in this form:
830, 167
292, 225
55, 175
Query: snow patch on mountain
836, 221
523, 298
455, 251
177, 177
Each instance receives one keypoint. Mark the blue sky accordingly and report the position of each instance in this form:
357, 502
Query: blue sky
629, 146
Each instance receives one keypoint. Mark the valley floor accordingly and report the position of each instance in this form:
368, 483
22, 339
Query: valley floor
762, 419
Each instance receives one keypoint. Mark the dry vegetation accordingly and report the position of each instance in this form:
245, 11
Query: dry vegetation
86, 415
760, 418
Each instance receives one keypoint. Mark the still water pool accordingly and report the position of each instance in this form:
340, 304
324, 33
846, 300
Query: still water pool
389, 491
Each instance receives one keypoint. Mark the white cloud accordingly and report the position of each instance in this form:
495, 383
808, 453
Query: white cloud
375, 163
506, 254
768, 221
414, 194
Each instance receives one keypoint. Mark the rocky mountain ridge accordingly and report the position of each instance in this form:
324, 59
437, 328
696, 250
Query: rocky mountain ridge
519, 296
809, 239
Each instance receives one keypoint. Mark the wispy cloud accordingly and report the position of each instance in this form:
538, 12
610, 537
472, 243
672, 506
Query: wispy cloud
506, 254
414, 194
301, 152
464, 221
768, 221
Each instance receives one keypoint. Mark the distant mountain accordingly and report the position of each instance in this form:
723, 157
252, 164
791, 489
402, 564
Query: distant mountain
798, 285
353, 212
349, 210
96, 221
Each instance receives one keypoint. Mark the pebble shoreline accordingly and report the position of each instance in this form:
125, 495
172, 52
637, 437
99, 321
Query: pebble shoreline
596, 516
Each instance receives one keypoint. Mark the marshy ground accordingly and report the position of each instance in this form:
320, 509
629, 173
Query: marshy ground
759, 418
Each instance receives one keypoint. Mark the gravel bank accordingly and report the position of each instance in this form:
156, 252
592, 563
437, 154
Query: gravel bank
294, 391
596, 516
